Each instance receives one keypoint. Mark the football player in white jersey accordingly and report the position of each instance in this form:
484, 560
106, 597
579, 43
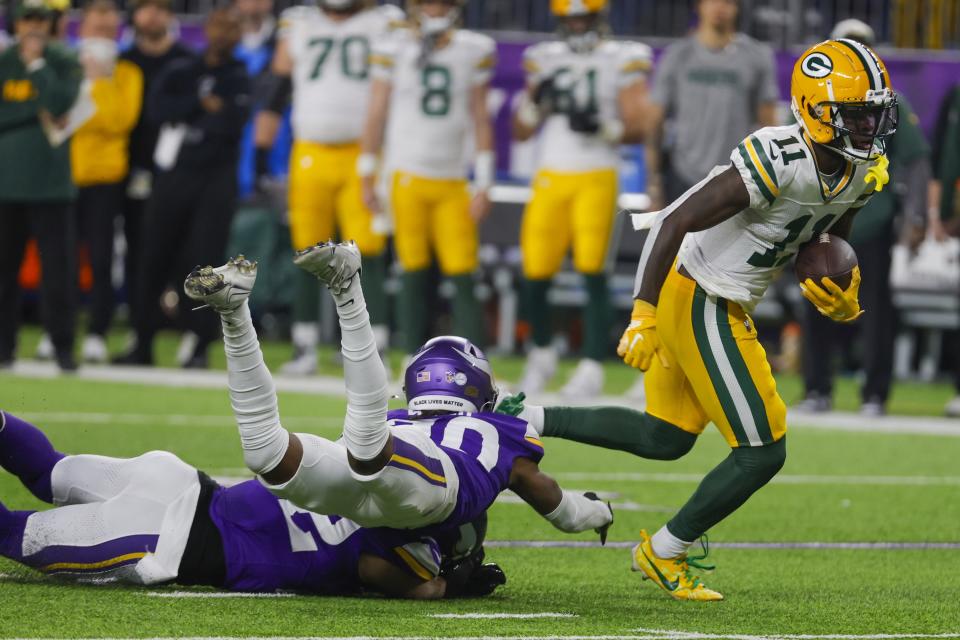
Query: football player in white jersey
440, 463
429, 97
709, 258
325, 53
586, 96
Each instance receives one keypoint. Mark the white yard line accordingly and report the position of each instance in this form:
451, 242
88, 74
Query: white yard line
684, 478
500, 616
214, 594
772, 546
331, 386
652, 635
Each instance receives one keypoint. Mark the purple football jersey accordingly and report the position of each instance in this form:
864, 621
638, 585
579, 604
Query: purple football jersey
483, 448
270, 544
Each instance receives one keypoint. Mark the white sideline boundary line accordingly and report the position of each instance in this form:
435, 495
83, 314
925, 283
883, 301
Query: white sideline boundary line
500, 616
330, 386
749, 546
652, 635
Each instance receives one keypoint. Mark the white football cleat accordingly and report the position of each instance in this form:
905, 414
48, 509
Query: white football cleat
224, 288
637, 391
586, 382
540, 368
94, 349
44, 348
304, 363
334, 264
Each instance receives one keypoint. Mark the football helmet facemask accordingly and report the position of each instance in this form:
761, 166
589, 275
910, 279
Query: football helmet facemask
841, 96
435, 26
582, 22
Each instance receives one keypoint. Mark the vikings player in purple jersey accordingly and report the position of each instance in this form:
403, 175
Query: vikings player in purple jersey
438, 464
155, 519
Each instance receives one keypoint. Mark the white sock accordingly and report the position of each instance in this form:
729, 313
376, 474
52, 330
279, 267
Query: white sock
252, 394
365, 428
534, 416
666, 545
577, 513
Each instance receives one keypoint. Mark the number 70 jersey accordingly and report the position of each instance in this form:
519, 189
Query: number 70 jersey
790, 203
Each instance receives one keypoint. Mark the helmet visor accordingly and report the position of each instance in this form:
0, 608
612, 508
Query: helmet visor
862, 128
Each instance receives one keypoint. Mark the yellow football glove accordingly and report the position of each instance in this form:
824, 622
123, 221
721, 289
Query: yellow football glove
834, 302
878, 173
640, 341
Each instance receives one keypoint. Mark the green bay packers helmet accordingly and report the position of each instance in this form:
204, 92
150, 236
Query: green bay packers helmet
434, 26
582, 22
841, 96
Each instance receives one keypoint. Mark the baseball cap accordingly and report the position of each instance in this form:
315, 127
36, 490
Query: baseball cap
25, 8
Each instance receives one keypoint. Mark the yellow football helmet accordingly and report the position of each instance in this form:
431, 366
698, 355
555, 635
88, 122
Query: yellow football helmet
582, 22
841, 96
569, 8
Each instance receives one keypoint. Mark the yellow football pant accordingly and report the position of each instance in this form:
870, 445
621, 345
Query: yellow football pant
432, 216
718, 370
565, 208
325, 196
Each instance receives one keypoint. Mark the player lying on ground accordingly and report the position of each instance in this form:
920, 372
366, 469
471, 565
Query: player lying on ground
442, 462
708, 260
155, 519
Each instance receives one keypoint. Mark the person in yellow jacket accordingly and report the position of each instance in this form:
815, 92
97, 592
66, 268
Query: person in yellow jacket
99, 155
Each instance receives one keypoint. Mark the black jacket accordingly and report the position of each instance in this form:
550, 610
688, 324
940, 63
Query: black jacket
212, 139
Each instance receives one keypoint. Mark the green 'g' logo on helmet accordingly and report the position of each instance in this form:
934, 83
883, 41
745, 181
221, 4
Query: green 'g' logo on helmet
817, 65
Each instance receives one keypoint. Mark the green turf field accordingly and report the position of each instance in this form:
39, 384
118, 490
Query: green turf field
837, 486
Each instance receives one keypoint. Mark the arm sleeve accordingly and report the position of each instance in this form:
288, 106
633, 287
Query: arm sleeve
767, 90
635, 63
174, 96
118, 100
383, 58
231, 120
57, 83
486, 63
761, 176
664, 92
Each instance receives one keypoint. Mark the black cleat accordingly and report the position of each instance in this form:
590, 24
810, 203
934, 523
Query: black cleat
602, 531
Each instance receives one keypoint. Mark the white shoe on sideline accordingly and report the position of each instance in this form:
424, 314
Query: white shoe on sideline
586, 381
304, 363
94, 349
540, 368
953, 408
224, 288
187, 347
45, 350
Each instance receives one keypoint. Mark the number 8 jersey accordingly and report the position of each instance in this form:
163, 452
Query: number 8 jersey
430, 119
790, 203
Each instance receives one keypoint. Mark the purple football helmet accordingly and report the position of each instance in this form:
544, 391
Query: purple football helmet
450, 374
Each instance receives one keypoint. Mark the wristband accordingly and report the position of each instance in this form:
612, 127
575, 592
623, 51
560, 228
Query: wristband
367, 165
484, 170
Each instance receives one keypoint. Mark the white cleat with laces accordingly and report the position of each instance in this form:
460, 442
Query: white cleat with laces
225, 288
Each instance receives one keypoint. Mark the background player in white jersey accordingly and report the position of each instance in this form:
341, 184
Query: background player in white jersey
586, 96
429, 97
709, 258
325, 52
441, 463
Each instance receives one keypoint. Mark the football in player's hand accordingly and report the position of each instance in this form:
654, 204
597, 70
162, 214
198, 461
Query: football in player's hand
826, 256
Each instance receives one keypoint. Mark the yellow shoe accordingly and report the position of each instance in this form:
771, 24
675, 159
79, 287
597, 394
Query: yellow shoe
673, 575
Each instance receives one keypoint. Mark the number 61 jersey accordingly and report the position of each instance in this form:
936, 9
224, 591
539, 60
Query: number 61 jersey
790, 203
